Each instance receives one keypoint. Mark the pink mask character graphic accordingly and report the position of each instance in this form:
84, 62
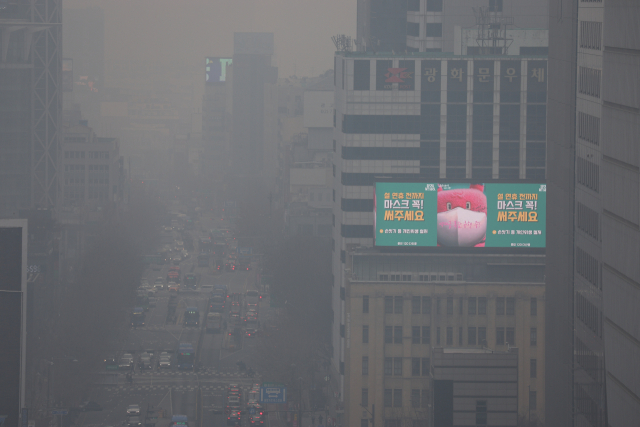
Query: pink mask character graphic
462, 216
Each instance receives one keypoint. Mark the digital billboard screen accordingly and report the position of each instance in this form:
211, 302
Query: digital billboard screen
454, 215
216, 69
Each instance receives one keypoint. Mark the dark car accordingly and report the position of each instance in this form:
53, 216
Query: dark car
233, 419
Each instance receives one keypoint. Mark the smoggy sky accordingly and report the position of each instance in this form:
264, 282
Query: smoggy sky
145, 34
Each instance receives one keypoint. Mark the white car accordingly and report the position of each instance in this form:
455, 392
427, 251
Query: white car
165, 362
133, 410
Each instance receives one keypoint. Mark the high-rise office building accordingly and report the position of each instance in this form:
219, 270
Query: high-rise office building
428, 25
432, 118
593, 339
31, 101
254, 113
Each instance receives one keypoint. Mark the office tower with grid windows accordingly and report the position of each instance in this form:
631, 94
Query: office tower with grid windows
592, 275
431, 117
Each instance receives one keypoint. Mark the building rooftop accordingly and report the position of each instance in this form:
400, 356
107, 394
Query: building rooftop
433, 55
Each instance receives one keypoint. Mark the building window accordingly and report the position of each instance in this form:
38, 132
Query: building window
413, 29
434, 30
388, 305
534, 306
482, 336
426, 305
533, 368
495, 5
361, 74
438, 305
397, 334
342, 331
388, 334
588, 174
397, 366
415, 366
415, 335
397, 398
500, 306
589, 81
481, 412
482, 305
388, 398
587, 267
365, 365
588, 220
365, 397
438, 335
426, 335
511, 336
449, 335
365, 334
533, 404
460, 336
415, 305
388, 365
365, 304
397, 305
364, 422
591, 35
413, 5
471, 336
426, 366
472, 306
533, 336
589, 128
511, 306
449, 306
415, 398
499, 336
434, 5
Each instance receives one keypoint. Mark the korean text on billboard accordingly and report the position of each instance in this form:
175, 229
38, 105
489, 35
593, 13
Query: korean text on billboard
497, 215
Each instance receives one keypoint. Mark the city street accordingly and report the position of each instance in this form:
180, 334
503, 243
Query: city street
170, 391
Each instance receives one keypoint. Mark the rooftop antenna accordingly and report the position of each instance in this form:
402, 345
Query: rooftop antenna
342, 42
492, 36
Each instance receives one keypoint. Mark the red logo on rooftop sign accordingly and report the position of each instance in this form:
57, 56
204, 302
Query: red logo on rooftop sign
397, 75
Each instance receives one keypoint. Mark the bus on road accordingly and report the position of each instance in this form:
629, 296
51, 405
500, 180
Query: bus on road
191, 316
186, 356
137, 317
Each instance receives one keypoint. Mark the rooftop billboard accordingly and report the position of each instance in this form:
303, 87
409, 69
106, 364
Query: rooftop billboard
454, 215
216, 69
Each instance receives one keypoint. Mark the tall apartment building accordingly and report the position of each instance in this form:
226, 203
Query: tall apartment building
465, 118
31, 105
593, 339
401, 308
428, 25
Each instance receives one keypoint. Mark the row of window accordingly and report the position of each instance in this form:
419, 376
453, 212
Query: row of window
475, 335
432, 5
90, 155
589, 128
589, 314
588, 174
589, 81
588, 267
421, 366
392, 398
475, 305
591, 35
588, 220
433, 173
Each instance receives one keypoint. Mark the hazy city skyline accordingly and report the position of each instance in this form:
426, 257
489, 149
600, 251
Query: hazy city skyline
140, 35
